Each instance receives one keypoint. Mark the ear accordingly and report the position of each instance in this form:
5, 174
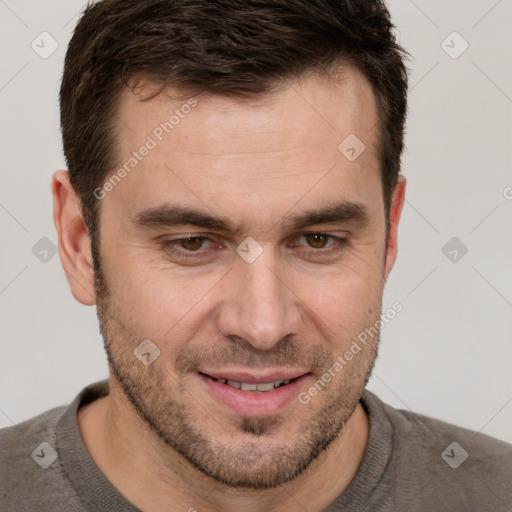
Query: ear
397, 202
74, 242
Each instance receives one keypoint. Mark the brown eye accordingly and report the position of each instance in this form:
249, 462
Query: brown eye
317, 240
192, 243
320, 244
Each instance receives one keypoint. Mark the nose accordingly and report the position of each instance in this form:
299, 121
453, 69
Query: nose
260, 305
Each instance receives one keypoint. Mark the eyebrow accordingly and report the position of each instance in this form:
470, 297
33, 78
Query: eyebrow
169, 215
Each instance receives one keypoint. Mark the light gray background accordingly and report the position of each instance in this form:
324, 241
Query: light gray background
448, 354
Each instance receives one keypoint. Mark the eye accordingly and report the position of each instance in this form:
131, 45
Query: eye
198, 246
190, 244
317, 240
320, 241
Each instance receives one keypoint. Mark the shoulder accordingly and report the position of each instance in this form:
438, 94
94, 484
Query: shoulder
28, 454
431, 432
31, 473
445, 465
16, 440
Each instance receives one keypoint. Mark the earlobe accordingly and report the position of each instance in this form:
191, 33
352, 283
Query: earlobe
395, 211
74, 242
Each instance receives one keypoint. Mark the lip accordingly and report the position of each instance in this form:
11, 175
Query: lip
250, 403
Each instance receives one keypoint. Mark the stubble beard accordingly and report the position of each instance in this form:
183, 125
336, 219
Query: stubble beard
260, 458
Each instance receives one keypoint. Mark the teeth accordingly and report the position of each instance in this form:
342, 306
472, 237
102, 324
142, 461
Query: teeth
245, 386
267, 386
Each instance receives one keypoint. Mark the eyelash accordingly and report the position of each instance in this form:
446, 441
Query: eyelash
172, 245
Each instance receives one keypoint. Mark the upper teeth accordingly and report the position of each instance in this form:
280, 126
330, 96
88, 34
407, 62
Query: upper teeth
245, 386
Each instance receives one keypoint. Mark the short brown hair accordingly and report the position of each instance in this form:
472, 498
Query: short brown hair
242, 48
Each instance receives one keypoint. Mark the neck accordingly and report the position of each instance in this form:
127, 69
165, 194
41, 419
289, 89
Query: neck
139, 466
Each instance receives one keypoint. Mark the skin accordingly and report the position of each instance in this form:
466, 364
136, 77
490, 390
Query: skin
255, 163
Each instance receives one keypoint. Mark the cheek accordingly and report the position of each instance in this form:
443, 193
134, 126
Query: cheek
153, 300
342, 303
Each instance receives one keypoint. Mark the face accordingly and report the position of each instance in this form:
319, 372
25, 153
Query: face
251, 252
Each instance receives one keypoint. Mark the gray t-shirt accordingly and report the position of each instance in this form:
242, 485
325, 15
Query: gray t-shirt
412, 463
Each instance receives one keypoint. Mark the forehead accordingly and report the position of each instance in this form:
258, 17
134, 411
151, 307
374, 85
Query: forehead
319, 101
278, 146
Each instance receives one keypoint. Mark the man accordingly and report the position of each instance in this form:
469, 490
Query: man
231, 208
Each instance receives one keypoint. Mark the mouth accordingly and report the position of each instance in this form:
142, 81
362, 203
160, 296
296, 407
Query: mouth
263, 387
251, 395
